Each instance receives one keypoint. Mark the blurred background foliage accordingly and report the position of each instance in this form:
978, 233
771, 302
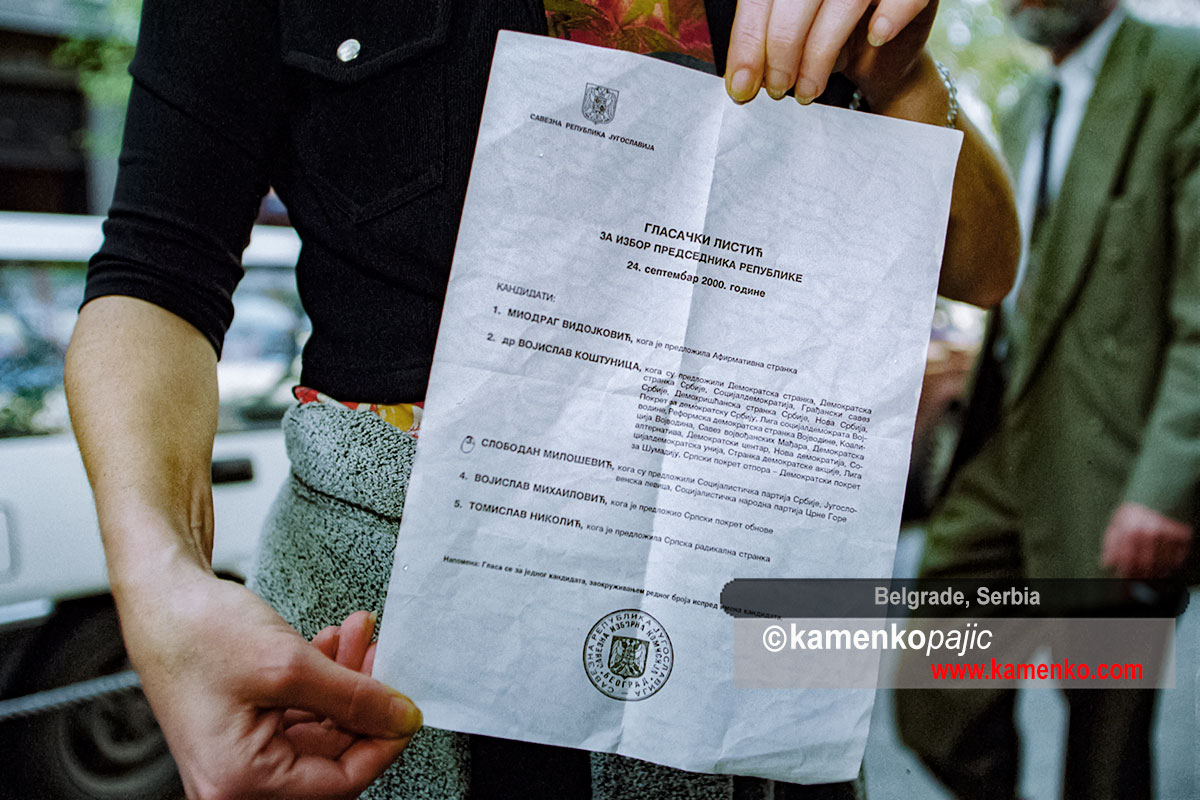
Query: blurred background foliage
971, 37
989, 63
101, 64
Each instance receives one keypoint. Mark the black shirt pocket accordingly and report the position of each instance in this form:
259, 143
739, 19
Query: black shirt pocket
367, 98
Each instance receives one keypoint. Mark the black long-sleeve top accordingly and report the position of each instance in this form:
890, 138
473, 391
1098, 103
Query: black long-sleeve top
370, 155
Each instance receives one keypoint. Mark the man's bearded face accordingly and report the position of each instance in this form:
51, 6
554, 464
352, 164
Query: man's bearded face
1056, 23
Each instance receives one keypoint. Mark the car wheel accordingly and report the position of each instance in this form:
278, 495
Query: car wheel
102, 749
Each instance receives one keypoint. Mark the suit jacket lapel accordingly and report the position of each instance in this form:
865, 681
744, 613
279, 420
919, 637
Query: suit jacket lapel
1066, 249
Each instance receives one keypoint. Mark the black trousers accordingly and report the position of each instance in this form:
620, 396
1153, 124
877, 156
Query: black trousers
968, 740
506, 770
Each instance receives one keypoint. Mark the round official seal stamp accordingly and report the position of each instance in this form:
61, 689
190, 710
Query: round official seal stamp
627, 655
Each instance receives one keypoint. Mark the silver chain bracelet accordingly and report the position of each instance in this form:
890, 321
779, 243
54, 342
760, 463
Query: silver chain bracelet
951, 92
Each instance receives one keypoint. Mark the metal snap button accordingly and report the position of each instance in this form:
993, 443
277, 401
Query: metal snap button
348, 50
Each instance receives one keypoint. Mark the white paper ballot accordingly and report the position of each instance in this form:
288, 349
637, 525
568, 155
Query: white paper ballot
682, 343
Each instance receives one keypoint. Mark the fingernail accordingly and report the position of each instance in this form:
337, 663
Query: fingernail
881, 31
406, 717
777, 83
744, 85
372, 619
806, 90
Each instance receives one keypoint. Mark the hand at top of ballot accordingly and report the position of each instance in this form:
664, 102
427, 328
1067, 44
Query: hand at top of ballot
778, 44
880, 46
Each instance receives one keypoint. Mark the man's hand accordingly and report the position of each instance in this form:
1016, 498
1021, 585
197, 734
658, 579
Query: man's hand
784, 43
1141, 543
251, 710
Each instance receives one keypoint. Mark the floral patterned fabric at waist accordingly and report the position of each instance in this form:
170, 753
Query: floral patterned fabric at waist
405, 416
641, 26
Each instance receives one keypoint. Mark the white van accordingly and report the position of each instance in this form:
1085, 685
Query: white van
57, 623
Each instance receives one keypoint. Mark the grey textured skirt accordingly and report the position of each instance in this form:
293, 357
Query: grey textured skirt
327, 551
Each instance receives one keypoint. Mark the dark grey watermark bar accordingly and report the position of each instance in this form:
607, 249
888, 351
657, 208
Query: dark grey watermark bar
897, 598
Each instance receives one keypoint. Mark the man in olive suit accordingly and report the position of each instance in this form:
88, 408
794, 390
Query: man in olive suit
1081, 452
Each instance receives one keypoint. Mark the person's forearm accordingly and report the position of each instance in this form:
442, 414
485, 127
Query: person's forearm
983, 241
220, 668
141, 386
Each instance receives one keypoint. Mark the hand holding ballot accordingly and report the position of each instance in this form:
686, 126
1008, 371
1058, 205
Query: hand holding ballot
778, 44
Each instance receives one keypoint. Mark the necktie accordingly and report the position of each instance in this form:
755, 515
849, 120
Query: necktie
1009, 330
1043, 194
642, 26
1041, 209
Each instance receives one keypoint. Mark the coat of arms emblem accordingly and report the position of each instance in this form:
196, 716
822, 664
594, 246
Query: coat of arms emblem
599, 103
628, 656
